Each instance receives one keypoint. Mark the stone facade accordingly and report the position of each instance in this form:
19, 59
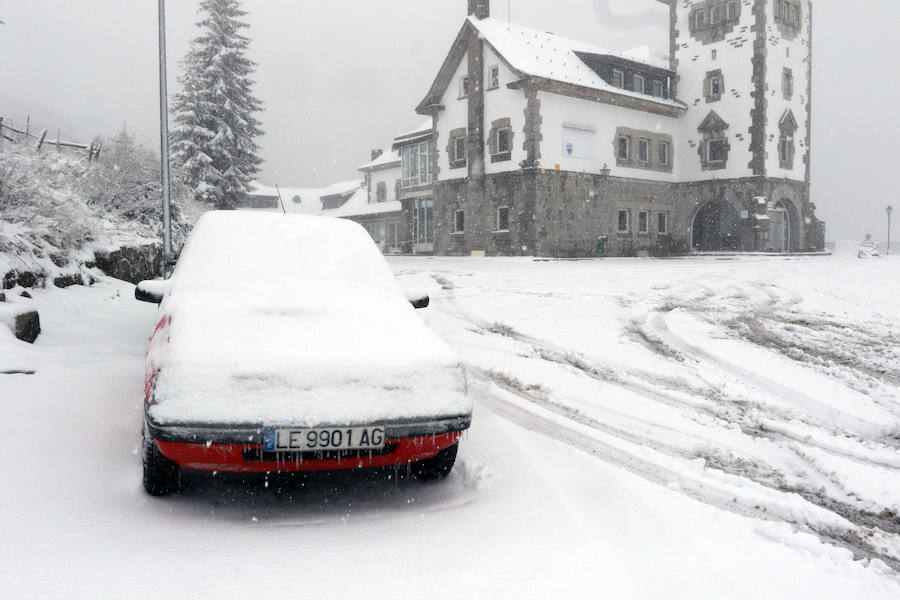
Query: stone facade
720, 187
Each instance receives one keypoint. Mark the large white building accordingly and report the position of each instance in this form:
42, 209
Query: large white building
544, 145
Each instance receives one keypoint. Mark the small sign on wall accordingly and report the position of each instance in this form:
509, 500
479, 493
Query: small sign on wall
579, 143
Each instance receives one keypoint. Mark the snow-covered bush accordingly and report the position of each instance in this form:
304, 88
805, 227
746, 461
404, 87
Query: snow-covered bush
57, 210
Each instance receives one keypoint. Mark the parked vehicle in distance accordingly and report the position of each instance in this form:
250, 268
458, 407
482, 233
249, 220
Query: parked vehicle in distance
284, 344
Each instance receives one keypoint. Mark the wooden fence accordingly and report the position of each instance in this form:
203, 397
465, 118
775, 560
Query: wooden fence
23, 135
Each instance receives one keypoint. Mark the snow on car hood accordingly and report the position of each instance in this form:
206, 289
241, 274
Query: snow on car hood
309, 343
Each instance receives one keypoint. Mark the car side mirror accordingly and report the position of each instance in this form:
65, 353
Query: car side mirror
418, 299
152, 291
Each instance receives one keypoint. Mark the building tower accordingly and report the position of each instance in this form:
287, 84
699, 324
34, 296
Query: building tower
744, 70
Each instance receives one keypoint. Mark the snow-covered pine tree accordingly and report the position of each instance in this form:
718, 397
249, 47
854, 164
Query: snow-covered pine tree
213, 141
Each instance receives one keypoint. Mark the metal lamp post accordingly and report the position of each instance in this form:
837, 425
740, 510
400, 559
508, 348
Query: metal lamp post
164, 145
889, 210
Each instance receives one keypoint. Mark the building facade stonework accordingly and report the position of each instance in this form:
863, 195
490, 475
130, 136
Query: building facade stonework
623, 154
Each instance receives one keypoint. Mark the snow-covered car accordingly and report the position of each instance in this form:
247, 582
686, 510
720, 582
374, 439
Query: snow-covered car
284, 344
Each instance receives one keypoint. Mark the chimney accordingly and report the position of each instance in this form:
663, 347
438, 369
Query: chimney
480, 9
376, 153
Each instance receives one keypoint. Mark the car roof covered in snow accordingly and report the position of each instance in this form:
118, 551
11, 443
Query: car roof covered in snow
240, 250
294, 319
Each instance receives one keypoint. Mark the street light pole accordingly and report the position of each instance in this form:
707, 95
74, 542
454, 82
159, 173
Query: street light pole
889, 210
164, 145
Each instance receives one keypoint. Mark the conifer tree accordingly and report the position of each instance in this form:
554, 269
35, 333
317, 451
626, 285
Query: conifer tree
213, 142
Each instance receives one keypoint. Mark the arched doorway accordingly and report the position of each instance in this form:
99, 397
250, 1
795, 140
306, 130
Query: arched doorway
715, 228
779, 228
788, 229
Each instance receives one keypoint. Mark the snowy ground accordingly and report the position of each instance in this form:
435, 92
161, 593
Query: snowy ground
693, 428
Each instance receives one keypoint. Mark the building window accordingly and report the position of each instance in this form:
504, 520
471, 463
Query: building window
715, 150
714, 85
623, 147
715, 15
459, 221
663, 153
788, 13
643, 222
423, 221
786, 148
714, 145
618, 78
464, 86
503, 218
623, 221
500, 140
714, 54
643, 150
731, 10
459, 149
416, 164
456, 148
381, 192
639, 84
494, 77
656, 88
700, 19
503, 140
662, 222
787, 84
395, 236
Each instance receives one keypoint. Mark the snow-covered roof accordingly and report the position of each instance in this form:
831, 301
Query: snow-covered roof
549, 56
386, 159
359, 206
648, 55
421, 131
311, 200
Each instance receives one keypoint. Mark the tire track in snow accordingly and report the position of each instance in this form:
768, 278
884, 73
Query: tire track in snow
866, 529
861, 543
845, 423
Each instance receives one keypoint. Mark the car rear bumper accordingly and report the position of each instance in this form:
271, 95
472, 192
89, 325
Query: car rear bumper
250, 458
240, 450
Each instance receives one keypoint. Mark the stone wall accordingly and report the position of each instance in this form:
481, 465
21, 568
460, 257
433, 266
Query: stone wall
563, 213
130, 263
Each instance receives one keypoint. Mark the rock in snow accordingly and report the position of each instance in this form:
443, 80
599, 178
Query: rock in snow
28, 326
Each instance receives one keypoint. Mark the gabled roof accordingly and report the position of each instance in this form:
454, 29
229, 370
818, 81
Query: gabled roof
535, 54
712, 122
387, 159
788, 122
422, 132
310, 199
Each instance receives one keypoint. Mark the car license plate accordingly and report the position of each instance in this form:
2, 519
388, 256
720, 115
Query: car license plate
321, 439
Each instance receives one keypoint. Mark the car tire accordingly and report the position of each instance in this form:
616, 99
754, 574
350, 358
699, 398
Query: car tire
161, 475
436, 467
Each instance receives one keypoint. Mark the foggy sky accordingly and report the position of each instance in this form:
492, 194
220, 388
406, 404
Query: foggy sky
340, 78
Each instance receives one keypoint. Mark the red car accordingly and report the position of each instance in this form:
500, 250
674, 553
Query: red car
284, 344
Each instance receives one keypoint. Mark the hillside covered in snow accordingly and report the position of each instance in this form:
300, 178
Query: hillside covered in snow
60, 213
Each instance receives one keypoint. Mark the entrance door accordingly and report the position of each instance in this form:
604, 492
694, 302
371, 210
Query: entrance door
715, 228
777, 230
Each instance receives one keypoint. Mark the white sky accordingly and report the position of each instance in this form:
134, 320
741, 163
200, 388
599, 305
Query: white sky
340, 78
